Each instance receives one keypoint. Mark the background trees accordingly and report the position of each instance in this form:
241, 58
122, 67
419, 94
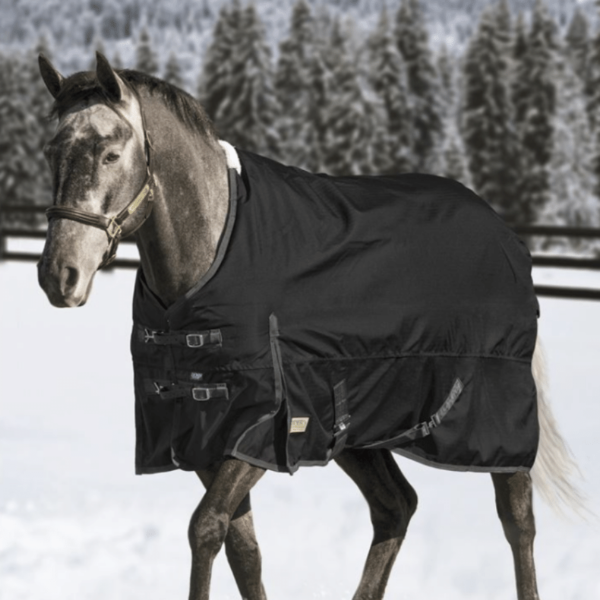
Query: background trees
512, 107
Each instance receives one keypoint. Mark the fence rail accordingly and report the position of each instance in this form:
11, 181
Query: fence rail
539, 260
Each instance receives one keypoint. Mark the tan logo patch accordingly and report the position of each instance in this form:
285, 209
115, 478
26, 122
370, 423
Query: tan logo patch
299, 425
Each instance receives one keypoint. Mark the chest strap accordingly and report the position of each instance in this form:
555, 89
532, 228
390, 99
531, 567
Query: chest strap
200, 393
191, 339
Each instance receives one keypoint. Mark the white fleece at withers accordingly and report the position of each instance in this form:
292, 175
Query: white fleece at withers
233, 160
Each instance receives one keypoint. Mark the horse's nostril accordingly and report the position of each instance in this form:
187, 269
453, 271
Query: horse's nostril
69, 277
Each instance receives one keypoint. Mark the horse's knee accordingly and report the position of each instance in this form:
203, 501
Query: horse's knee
207, 530
391, 519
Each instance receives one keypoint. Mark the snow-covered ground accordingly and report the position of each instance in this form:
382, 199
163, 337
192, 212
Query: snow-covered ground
76, 523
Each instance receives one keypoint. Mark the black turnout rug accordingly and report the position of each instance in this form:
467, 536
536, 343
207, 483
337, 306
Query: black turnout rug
348, 312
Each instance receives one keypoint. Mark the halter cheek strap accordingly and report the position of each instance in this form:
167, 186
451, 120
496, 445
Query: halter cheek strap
115, 227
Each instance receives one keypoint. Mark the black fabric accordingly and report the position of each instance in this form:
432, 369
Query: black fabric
409, 289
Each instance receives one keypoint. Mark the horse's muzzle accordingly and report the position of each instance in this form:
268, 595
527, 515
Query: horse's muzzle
62, 284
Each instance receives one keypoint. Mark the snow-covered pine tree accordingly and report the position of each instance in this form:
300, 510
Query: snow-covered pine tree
503, 31
293, 86
145, 58
39, 102
593, 81
319, 83
578, 43
423, 84
386, 73
248, 114
573, 201
489, 139
20, 163
215, 80
350, 119
519, 87
446, 67
536, 109
172, 72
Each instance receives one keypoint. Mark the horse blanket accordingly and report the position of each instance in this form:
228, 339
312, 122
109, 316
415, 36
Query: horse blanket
343, 312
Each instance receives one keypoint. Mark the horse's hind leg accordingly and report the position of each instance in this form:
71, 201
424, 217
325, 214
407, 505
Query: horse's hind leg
392, 502
241, 546
211, 522
515, 509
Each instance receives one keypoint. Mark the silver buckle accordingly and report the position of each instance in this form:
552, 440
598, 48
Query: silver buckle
218, 390
148, 335
195, 340
200, 394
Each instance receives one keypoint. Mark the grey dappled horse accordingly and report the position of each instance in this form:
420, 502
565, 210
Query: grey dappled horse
119, 132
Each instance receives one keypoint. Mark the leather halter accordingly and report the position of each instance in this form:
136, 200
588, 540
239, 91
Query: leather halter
115, 227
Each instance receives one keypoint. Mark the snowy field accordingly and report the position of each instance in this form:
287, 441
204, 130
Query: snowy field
77, 524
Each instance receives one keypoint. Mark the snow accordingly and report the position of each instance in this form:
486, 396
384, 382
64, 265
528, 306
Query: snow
75, 522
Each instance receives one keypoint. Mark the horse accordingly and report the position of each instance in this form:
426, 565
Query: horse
134, 155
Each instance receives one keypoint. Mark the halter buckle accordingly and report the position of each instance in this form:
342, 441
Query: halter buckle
113, 229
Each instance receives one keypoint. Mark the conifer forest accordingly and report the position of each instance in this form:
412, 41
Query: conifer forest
503, 95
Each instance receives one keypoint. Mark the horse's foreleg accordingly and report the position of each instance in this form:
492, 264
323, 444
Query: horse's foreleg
211, 521
241, 546
515, 509
392, 502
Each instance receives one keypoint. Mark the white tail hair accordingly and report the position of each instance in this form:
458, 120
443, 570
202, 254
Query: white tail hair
555, 465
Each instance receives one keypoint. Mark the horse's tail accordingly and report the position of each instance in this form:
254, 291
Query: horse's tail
555, 465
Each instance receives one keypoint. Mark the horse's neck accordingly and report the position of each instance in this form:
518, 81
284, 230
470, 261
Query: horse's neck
178, 243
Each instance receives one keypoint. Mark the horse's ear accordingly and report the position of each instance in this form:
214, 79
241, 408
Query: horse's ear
111, 83
52, 78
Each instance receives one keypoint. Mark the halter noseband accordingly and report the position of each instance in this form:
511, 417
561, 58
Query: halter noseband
114, 226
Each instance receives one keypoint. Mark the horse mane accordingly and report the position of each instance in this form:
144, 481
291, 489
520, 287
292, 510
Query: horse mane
84, 85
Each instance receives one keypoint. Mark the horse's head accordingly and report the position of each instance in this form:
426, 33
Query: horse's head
102, 185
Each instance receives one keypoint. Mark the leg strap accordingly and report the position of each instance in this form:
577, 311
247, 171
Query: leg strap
342, 417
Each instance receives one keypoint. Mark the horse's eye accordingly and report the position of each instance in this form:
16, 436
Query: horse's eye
111, 157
